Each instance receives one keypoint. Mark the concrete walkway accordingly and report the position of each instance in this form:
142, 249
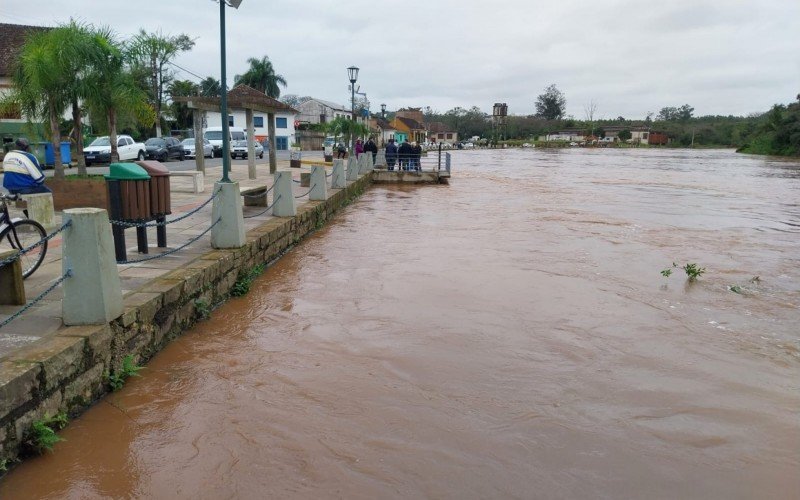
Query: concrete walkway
44, 319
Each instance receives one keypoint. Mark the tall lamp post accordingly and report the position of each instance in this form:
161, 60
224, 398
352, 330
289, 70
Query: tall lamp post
383, 111
223, 88
352, 73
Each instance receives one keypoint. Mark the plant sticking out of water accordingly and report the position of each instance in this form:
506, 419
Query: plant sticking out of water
42, 435
735, 289
242, 285
128, 369
692, 270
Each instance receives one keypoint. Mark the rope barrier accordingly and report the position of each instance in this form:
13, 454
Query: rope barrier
259, 195
169, 252
265, 210
158, 224
37, 299
22, 252
329, 175
309, 191
296, 181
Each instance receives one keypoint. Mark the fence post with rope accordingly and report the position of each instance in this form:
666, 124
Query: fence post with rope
352, 168
227, 209
92, 294
338, 180
284, 205
319, 184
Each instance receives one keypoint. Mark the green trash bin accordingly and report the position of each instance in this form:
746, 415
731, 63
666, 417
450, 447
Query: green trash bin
129, 201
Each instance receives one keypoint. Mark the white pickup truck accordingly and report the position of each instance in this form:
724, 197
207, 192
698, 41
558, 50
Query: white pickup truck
99, 151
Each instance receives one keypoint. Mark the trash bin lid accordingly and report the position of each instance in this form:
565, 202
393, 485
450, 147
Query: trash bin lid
126, 172
154, 168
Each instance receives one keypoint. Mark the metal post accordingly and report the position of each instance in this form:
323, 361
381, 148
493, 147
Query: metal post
226, 151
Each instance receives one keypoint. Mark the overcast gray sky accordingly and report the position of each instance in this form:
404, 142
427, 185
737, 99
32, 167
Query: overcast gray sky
631, 57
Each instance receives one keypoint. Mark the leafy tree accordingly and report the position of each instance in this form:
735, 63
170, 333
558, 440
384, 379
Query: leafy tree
624, 135
294, 100
209, 87
671, 113
343, 127
114, 89
551, 105
262, 77
152, 54
180, 110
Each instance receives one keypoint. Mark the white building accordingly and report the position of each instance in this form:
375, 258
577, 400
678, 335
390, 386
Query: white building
284, 125
315, 111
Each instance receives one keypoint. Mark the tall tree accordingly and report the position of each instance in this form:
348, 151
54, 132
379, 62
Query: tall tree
551, 105
262, 77
180, 110
209, 87
153, 53
589, 111
114, 88
294, 100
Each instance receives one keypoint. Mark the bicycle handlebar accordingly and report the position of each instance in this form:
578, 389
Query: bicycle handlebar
9, 197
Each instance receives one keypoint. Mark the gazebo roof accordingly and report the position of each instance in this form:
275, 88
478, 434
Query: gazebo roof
242, 97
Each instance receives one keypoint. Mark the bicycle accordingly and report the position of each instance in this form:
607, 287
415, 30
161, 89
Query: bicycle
23, 234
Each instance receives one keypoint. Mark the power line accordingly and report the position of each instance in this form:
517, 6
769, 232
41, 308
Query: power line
186, 70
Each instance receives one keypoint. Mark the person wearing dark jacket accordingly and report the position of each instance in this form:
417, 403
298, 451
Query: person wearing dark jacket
416, 157
391, 154
404, 152
371, 147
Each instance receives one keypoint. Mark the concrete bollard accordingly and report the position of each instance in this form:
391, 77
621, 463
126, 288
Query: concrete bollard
284, 204
92, 295
338, 180
12, 291
40, 209
380, 160
229, 232
363, 166
319, 184
352, 169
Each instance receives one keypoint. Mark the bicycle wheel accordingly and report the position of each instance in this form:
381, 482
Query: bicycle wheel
23, 234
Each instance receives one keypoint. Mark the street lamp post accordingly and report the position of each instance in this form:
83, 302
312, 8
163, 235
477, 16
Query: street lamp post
223, 90
383, 111
352, 73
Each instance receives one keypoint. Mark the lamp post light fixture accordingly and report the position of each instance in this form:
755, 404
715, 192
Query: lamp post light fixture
383, 111
352, 74
223, 84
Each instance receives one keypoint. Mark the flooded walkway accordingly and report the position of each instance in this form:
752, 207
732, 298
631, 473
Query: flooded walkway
507, 336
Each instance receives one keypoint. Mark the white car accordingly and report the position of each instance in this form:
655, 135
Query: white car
239, 148
99, 151
188, 148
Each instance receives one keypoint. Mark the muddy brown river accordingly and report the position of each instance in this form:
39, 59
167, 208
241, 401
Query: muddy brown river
507, 336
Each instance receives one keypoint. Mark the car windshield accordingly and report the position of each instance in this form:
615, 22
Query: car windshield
154, 142
101, 141
214, 136
188, 142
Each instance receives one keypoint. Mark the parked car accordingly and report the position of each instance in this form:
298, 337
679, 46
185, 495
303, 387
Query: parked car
163, 148
214, 136
99, 151
239, 148
188, 148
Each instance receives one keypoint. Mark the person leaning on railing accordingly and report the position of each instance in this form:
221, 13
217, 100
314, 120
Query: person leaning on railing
23, 174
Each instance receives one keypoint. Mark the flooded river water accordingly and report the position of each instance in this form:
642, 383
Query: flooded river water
507, 336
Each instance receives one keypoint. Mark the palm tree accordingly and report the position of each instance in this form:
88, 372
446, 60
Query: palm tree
262, 77
114, 88
209, 87
41, 88
343, 127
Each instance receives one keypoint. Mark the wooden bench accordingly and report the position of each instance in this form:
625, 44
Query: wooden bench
198, 181
254, 196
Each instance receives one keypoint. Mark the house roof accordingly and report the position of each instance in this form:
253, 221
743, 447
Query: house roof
12, 38
439, 127
241, 96
331, 104
383, 124
411, 124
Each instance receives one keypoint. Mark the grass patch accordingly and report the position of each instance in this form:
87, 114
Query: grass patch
128, 369
245, 280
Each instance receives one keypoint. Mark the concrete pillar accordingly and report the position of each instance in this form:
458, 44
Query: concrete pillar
352, 168
199, 158
40, 209
380, 160
12, 291
319, 184
273, 158
338, 180
251, 148
229, 232
283, 198
92, 295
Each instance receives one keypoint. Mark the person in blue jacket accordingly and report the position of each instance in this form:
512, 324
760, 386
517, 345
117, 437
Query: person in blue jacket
391, 154
22, 172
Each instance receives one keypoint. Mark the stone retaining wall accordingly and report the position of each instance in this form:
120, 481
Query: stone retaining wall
69, 371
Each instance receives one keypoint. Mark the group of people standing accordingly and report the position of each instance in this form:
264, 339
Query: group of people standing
407, 156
